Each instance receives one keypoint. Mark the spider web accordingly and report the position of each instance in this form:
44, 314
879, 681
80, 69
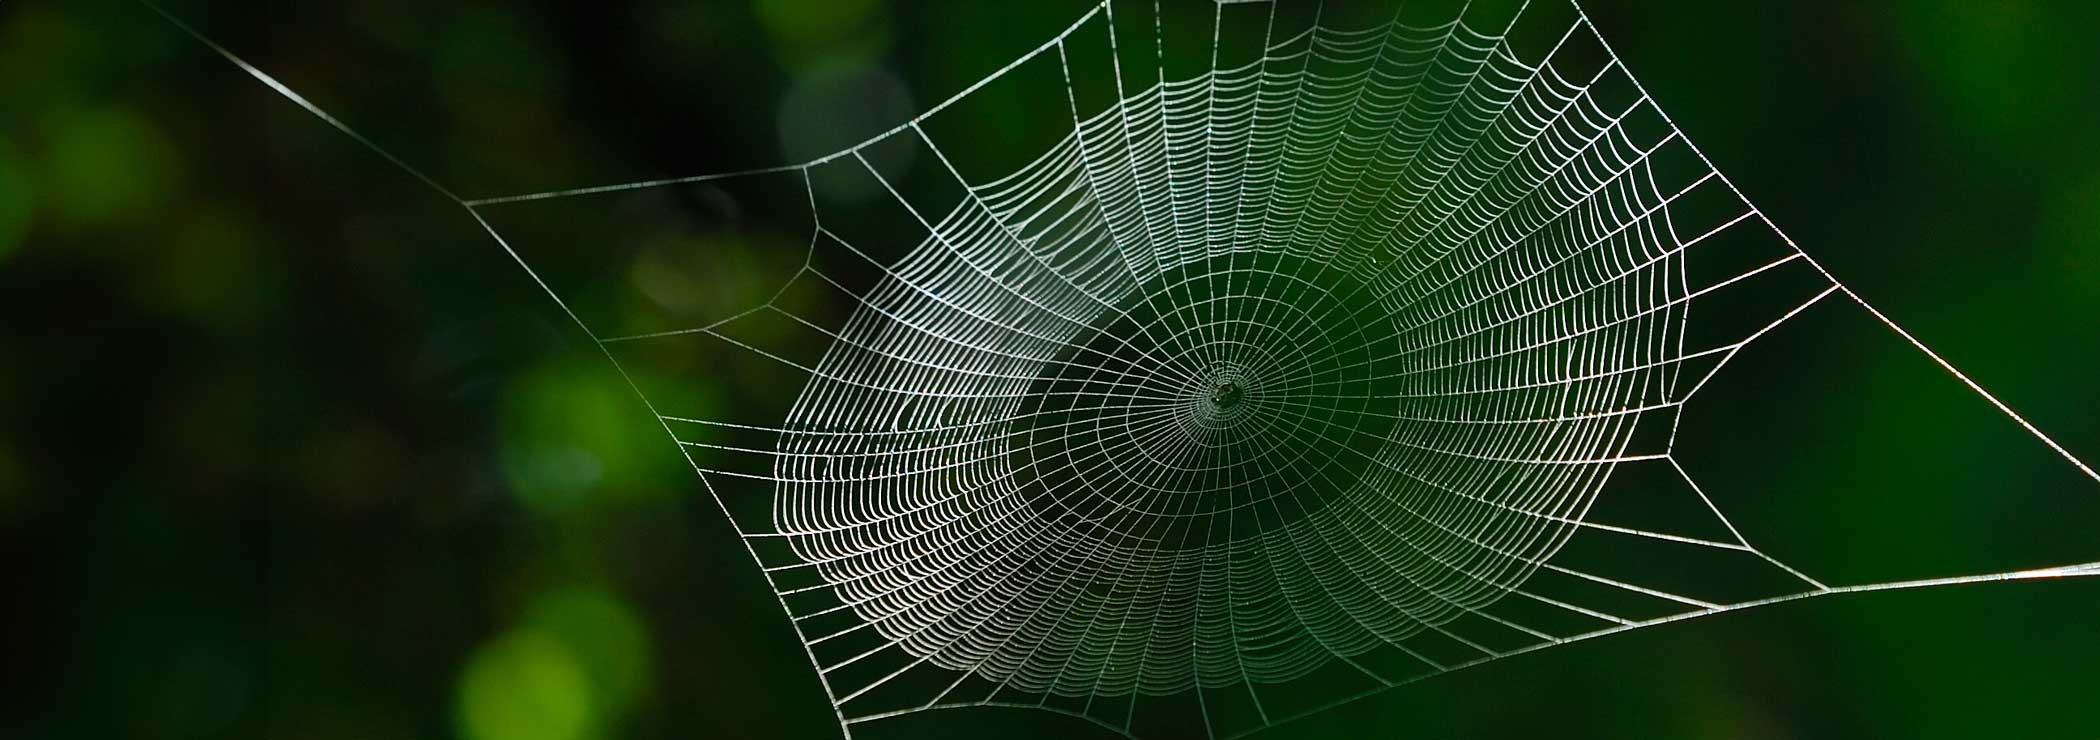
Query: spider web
1266, 386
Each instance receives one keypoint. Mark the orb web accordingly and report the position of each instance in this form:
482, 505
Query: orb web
1285, 374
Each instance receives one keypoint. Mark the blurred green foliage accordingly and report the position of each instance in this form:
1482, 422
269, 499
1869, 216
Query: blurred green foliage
572, 669
289, 449
524, 685
17, 203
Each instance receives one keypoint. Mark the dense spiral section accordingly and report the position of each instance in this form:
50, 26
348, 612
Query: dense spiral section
1121, 425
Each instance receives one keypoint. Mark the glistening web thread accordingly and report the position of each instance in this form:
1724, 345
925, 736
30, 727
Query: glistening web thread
1264, 388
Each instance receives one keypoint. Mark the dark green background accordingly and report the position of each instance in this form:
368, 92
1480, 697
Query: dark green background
289, 448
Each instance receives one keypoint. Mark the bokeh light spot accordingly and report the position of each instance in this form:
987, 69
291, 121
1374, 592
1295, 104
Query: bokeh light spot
524, 686
838, 106
703, 278
813, 22
17, 204
608, 641
107, 165
566, 429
